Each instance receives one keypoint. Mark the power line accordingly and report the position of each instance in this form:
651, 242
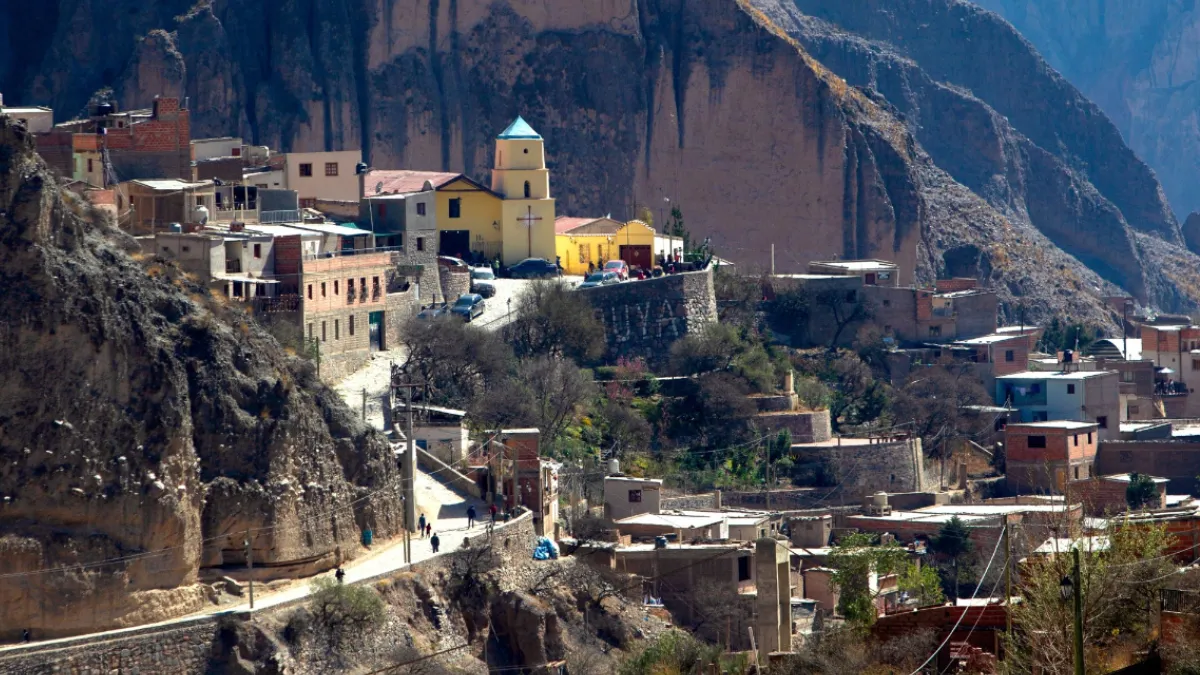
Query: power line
963, 615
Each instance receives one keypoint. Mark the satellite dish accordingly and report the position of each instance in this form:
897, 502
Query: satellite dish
379, 187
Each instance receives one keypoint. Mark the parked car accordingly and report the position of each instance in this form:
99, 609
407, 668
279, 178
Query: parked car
432, 312
468, 306
619, 267
481, 281
600, 279
451, 261
534, 268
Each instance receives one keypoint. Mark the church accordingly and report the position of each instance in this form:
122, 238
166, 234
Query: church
512, 220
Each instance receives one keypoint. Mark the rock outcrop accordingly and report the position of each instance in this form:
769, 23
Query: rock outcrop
729, 109
1139, 62
146, 429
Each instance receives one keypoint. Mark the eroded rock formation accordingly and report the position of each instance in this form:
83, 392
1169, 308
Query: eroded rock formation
145, 428
947, 131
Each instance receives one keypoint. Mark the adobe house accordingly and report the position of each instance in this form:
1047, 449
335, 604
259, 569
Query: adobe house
626, 496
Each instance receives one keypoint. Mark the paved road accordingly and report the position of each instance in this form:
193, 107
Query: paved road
496, 314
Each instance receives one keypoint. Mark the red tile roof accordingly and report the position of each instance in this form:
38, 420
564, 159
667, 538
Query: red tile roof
564, 224
404, 182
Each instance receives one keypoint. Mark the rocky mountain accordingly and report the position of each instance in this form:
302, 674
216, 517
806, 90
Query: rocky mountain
146, 429
925, 131
1139, 61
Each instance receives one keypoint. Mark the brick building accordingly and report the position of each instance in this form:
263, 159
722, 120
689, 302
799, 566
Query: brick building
1105, 495
153, 143
1175, 351
519, 473
343, 304
1046, 456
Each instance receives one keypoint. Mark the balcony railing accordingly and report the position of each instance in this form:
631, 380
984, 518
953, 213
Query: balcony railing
284, 216
233, 266
1170, 389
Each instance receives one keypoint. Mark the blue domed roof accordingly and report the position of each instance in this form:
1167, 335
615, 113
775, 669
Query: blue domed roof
519, 130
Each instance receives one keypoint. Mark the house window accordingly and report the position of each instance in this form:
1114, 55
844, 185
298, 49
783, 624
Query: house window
351, 324
1127, 375
1089, 437
322, 289
887, 303
1102, 421
331, 168
89, 166
935, 331
337, 329
420, 208
199, 200
322, 331
335, 286
310, 291
1037, 441
1076, 473
744, 568
1076, 439
236, 152
185, 249
1135, 410
456, 207
635, 496
310, 331
306, 170
1070, 389
258, 250
527, 192
420, 243
1009, 356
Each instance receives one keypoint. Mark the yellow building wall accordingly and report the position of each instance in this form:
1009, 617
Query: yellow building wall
96, 175
480, 214
635, 233
576, 251
520, 242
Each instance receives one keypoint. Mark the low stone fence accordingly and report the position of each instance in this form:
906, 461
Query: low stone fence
707, 500
187, 646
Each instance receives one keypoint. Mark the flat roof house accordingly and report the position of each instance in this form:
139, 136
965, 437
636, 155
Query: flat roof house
1046, 456
1090, 396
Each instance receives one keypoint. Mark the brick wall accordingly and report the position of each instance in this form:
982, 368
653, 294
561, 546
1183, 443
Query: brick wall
956, 284
643, 318
1178, 461
1103, 497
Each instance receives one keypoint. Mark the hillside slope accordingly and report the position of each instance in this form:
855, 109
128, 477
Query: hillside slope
145, 425
1139, 61
714, 105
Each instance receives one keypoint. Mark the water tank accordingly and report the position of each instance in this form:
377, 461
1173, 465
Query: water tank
200, 215
175, 227
660, 542
360, 168
614, 467
879, 499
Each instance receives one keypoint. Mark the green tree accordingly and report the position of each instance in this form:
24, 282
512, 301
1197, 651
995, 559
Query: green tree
1141, 491
344, 611
676, 228
855, 558
953, 543
923, 583
673, 652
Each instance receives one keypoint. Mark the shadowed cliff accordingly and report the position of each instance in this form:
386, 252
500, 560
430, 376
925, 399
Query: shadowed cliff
145, 428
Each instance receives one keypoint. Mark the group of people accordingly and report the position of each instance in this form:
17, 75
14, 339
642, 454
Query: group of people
425, 527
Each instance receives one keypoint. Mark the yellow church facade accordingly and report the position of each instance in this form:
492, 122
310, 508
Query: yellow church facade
521, 179
468, 219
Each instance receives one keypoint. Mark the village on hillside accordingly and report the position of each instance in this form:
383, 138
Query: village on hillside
771, 457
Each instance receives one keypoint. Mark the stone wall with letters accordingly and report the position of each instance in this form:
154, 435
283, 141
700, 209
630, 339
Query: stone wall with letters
643, 318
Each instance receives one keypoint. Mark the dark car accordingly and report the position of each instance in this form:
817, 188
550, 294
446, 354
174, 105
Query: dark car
600, 279
468, 306
432, 312
481, 281
534, 268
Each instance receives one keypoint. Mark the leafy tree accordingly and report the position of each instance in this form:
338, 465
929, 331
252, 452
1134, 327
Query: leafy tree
454, 360
854, 558
789, 312
344, 611
673, 652
722, 348
714, 414
1120, 587
545, 392
676, 228
858, 398
935, 401
1060, 335
1141, 491
843, 308
553, 320
923, 583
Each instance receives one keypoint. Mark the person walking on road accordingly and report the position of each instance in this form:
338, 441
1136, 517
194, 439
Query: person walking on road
471, 516
428, 529
492, 509
421, 526
340, 574
434, 541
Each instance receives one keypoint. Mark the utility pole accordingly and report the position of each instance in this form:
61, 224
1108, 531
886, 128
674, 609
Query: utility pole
409, 478
250, 566
1078, 615
1007, 578
364, 404
772, 259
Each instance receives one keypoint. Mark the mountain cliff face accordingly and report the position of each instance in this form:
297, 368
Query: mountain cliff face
1139, 61
931, 157
145, 428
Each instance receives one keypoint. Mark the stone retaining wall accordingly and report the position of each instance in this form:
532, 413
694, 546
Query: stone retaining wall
643, 318
806, 426
187, 647
708, 500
